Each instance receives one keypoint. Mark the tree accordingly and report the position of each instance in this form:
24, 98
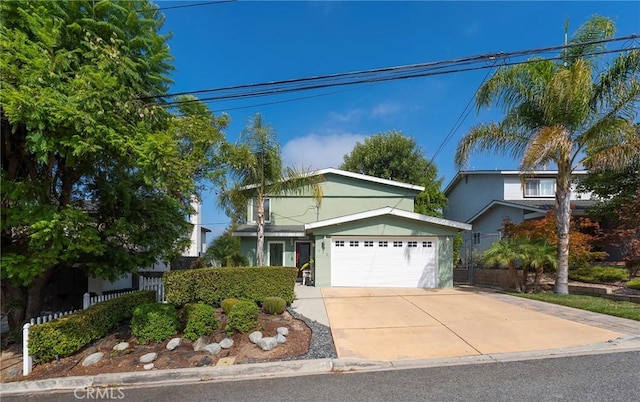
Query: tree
225, 250
93, 175
563, 113
626, 234
393, 156
538, 256
505, 253
256, 171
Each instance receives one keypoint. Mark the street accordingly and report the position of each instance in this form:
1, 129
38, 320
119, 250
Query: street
601, 377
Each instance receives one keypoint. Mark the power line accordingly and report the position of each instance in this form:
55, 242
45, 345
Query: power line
207, 3
371, 75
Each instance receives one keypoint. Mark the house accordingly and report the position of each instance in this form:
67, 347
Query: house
364, 233
484, 198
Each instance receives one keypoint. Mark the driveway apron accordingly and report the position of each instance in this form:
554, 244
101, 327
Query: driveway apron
387, 324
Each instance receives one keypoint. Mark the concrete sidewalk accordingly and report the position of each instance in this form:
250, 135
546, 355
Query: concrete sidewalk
310, 303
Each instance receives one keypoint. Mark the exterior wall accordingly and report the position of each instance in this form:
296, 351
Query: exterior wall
99, 285
342, 196
322, 264
513, 189
445, 261
248, 249
489, 225
472, 193
196, 231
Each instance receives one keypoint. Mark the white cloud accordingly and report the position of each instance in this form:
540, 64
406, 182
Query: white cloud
348, 116
385, 109
319, 151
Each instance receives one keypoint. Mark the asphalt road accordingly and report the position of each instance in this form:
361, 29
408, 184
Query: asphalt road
602, 377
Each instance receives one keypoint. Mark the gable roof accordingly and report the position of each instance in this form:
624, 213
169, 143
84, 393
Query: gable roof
533, 173
388, 211
541, 206
359, 176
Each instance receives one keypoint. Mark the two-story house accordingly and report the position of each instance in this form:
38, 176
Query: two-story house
484, 198
364, 233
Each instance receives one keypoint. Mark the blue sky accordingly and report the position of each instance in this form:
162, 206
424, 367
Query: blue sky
253, 42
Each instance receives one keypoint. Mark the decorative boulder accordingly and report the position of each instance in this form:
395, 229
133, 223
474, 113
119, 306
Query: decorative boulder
149, 366
200, 344
92, 359
280, 338
213, 348
255, 336
284, 331
148, 358
267, 343
174, 343
226, 343
121, 346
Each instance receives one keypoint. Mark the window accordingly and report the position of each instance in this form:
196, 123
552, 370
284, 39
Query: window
267, 210
540, 188
339, 243
412, 244
276, 254
354, 243
427, 244
382, 244
476, 238
397, 244
368, 244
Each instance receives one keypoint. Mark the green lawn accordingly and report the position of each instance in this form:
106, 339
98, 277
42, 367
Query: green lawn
601, 305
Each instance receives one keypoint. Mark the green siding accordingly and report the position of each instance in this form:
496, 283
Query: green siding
445, 261
248, 250
386, 225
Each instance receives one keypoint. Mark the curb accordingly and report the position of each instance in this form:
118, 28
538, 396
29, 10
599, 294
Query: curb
298, 368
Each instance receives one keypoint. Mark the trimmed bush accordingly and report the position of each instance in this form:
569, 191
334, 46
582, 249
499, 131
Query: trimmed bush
243, 317
599, 274
154, 322
227, 304
634, 284
274, 305
201, 320
212, 285
67, 335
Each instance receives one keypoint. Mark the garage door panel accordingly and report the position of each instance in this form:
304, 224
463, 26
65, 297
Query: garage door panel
390, 262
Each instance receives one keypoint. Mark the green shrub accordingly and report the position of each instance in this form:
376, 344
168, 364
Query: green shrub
212, 285
599, 274
154, 322
227, 304
274, 305
243, 317
201, 321
67, 335
634, 284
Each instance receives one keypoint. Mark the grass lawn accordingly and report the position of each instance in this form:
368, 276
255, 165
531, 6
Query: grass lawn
601, 305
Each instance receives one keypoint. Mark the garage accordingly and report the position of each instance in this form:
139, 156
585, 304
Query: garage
384, 261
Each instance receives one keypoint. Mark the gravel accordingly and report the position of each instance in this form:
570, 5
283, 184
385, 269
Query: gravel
321, 344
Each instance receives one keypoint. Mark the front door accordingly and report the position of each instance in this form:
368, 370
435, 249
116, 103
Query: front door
303, 255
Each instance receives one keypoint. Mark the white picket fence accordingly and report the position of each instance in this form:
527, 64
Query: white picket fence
87, 301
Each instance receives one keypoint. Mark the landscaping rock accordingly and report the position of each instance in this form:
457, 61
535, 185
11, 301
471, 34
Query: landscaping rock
174, 343
200, 344
284, 331
13, 372
226, 343
121, 346
213, 348
92, 359
148, 358
281, 338
149, 366
255, 336
204, 362
267, 343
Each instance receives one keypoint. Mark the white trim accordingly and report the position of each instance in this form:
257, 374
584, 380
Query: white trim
295, 249
544, 173
267, 218
269, 243
358, 176
506, 204
269, 234
388, 211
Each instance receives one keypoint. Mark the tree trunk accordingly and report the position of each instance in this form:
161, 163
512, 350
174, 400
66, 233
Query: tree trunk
563, 220
516, 280
260, 231
34, 293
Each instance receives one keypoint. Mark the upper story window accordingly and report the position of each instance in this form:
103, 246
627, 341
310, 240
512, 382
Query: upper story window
267, 210
540, 188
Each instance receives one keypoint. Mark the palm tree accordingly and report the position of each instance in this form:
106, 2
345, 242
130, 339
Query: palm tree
505, 253
563, 113
255, 166
538, 256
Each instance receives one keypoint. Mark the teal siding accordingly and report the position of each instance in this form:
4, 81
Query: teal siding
248, 250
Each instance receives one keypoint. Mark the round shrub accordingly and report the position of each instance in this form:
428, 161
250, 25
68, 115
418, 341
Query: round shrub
243, 317
154, 322
634, 284
227, 304
201, 320
274, 305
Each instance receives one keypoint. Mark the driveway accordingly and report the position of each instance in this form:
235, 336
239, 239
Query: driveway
388, 324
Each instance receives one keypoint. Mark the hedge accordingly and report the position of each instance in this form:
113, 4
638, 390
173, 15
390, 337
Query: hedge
212, 285
154, 322
67, 335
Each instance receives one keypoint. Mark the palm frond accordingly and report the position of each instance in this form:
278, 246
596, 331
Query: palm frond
616, 157
623, 72
490, 137
567, 96
595, 28
550, 144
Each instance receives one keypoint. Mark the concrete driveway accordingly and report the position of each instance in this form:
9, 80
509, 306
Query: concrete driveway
388, 324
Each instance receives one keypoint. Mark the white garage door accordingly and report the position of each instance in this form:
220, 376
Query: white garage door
384, 262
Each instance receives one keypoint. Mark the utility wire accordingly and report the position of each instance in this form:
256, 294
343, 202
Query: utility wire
207, 3
356, 77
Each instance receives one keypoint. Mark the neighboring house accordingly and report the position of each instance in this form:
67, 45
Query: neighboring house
364, 233
484, 198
